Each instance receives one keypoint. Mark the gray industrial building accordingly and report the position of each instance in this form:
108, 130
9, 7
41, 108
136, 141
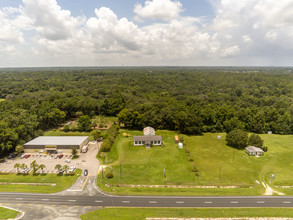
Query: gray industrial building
54, 144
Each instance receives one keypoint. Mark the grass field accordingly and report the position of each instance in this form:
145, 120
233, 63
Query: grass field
62, 182
7, 213
143, 213
2, 100
207, 153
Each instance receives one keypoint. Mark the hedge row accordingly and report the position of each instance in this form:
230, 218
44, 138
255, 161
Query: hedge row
109, 138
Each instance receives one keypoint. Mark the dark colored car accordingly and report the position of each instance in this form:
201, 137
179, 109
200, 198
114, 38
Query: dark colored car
60, 156
85, 173
10, 156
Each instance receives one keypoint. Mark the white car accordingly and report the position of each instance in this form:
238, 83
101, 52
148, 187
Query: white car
71, 169
25, 169
67, 160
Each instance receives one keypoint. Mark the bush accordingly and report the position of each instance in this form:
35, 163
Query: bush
237, 139
190, 160
255, 140
265, 149
109, 138
194, 169
109, 175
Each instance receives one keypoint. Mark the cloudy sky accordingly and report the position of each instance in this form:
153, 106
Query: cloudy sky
146, 32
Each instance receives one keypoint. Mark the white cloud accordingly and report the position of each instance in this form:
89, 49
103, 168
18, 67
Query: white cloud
241, 32
159, 9
49, 20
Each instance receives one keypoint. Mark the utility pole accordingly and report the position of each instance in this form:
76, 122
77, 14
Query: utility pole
149, 162
120, 170
220, 171
234, 155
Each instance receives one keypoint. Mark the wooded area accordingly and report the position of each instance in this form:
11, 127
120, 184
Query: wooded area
188, 100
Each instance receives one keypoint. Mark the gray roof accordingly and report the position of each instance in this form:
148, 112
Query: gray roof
57, 140
147, 138
254, 149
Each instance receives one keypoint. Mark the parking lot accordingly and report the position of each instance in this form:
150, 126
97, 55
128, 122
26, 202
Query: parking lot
85, 161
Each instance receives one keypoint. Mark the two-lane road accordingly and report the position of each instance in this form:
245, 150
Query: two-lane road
146, 201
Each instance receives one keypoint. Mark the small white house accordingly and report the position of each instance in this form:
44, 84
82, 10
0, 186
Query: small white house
149, 139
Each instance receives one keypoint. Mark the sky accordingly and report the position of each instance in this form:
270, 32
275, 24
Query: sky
44, 33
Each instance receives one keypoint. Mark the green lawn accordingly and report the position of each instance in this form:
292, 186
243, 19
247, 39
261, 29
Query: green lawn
143, 213
2, 100
7, 213
62, 182
207, 153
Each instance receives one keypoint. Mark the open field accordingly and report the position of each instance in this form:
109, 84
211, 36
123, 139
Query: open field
7, 213
142, 213
1, 100
62, 182
207, 153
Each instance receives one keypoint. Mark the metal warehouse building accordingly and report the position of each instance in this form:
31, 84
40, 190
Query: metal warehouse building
53, 144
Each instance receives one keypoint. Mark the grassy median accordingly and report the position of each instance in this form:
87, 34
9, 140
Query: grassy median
59, 182
7, 213
143, 213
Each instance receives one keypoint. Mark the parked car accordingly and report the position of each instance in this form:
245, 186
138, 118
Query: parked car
11, 155
25, 170
60, 156
61, 171
27, 156
55, 156
85, 173
67, 160
71, 169
22, 156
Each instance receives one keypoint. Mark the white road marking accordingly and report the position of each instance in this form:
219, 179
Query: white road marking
153, 202
208, 202
234, 202
179, 202
260, 202
125, 201
71, 200
45, 199
18, 198
286, 202
99, 201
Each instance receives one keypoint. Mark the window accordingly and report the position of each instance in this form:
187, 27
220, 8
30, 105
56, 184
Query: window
155, 142
135, 142
143, 142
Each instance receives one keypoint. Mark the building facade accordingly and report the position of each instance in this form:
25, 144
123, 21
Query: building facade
149, 139
55, 144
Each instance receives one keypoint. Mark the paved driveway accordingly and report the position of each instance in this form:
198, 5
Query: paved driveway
85, 161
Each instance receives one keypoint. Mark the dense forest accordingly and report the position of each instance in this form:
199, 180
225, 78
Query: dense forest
188, 100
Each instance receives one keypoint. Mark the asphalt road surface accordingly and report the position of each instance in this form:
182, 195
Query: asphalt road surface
145, 201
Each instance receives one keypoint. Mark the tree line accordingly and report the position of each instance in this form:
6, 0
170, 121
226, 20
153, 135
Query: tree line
185, 99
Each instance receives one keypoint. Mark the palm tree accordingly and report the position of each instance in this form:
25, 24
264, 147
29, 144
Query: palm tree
42, 167
34, 165
58, 167
17, 166
23, 166
66, 168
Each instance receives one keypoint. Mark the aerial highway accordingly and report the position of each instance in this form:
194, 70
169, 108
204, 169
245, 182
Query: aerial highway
147, 201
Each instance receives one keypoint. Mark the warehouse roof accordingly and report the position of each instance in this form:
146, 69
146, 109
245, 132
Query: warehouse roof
57, 140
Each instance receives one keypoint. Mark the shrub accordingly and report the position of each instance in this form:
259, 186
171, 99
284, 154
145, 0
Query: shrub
190, 160
109, 175
194, 169
237, 139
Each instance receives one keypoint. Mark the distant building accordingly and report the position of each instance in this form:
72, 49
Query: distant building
52, 144
254, 151
150, 138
